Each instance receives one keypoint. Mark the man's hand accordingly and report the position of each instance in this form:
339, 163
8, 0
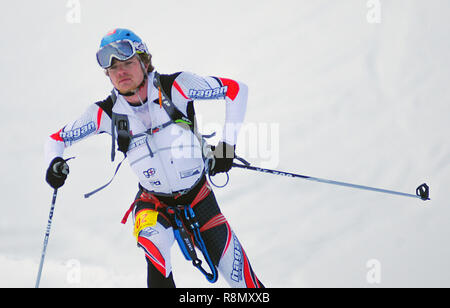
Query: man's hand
57, 172
223, 158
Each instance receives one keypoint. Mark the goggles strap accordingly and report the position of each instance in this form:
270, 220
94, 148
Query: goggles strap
133, 92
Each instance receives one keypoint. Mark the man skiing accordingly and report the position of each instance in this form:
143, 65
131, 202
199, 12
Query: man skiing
151, 119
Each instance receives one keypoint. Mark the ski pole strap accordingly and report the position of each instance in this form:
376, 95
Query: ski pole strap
422, 192
104, 186
209, 165
246, 163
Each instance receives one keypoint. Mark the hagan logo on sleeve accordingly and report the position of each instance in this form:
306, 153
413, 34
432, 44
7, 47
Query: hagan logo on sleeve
215, 93
79, 132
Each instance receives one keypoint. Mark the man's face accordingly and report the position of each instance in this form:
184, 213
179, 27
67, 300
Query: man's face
126, 75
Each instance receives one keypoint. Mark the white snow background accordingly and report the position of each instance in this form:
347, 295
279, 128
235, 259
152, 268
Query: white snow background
351, 95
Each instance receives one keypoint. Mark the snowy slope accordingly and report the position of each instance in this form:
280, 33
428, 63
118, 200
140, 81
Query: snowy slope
340, 97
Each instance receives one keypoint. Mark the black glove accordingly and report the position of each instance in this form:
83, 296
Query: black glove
57, 172
223, 158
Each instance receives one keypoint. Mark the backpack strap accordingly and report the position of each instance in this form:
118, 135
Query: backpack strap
107, 106
123, 135
121, 123
164, 83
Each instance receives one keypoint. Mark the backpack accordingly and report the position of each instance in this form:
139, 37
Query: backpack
120, 121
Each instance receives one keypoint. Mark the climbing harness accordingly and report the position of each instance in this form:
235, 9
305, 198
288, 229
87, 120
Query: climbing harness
187, 233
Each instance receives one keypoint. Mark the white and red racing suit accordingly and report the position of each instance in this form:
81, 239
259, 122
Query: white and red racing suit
170, 168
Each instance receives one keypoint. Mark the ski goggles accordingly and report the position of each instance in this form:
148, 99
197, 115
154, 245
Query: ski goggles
120, 50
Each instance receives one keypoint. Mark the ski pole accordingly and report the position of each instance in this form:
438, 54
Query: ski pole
47, 234
422, 191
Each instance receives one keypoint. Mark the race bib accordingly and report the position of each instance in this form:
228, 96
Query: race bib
144, 218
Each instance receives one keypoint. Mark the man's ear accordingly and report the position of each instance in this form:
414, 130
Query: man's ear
106, 73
